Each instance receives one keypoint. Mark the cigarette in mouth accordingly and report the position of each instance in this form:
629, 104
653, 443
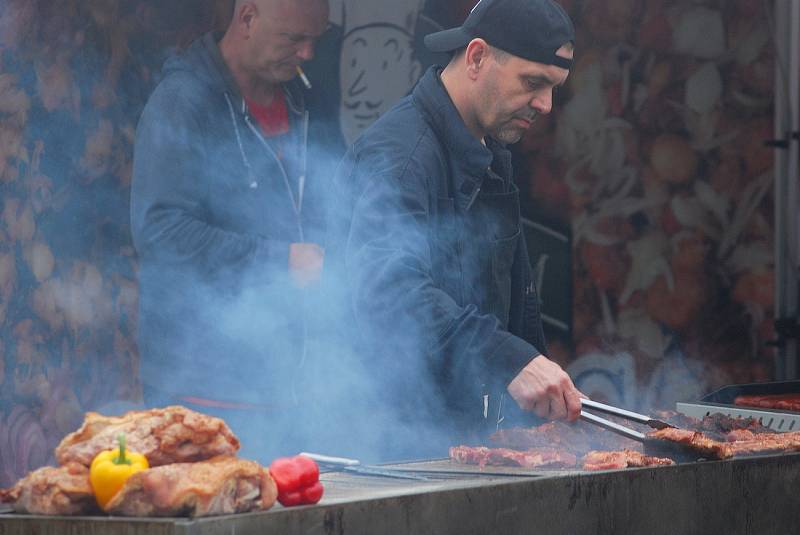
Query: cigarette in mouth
303, 77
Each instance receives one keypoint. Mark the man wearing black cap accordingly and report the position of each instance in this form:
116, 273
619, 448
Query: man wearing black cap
427, 231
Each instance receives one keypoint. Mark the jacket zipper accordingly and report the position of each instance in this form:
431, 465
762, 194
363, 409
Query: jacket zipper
296, 204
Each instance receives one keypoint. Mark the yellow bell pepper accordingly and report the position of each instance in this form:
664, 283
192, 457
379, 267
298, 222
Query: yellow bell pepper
110, 469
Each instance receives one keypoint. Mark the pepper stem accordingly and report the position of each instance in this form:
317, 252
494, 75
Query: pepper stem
121, 459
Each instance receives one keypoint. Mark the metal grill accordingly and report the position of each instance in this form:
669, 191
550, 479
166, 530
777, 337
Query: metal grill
721, 401
781, 421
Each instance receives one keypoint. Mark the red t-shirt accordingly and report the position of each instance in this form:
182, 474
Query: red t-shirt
273, 118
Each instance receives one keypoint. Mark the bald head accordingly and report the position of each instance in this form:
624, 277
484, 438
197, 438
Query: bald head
268, 39
275, 7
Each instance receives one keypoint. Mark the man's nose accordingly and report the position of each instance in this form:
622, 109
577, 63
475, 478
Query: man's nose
543, 102
306, 50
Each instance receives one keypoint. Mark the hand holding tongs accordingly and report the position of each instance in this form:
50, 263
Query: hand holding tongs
616, 411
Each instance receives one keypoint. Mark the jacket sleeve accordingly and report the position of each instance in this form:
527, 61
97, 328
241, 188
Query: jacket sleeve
169, 209
395, 297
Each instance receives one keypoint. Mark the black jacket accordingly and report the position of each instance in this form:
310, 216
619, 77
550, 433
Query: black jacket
427, 234
212, 218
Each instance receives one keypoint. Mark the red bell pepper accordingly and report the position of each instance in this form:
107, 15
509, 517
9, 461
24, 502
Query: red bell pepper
297, 479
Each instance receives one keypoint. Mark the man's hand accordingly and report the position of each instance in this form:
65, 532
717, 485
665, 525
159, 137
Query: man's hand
544, 388
305, 263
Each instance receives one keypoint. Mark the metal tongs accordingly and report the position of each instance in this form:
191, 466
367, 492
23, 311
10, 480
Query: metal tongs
652, 446
623, 413
343, 464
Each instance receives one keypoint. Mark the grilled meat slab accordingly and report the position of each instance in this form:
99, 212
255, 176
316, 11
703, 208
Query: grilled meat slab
785, 402
612, 460
577, 438
741, 443
766, 443
169, 435
65, 490
694, 441
221, 485
716, 425
531, 458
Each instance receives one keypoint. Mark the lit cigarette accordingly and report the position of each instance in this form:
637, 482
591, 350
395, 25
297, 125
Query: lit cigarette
303, 77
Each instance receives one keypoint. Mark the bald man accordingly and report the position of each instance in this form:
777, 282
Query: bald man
221, 219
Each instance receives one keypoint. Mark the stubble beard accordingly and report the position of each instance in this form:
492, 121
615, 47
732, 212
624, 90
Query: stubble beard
507, 132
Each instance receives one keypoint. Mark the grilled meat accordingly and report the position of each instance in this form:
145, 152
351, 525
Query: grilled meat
221, 485
739, 434
531, 458
715, 425
578, 438
694, 441
612, 460
65, 490
169, 435
785, 402
766, 443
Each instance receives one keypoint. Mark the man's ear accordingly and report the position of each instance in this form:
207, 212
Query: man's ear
244, 16
476, 56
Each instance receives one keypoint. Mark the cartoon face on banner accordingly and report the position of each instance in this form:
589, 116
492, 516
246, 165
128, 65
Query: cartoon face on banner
377, 69
377, 62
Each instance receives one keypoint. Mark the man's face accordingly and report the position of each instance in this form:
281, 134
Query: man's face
283, 36
513, 92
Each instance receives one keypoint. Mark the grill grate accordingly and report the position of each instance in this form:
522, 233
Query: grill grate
781, 421
721, 401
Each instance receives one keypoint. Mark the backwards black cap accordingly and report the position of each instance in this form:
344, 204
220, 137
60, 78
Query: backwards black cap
529, 29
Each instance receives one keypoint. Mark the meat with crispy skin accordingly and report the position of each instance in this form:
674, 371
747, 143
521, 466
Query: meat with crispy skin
531, 458
221, 485
65, 490
612, 460
170, 435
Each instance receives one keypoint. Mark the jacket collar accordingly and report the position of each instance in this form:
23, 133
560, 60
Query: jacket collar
292, 90
469, 158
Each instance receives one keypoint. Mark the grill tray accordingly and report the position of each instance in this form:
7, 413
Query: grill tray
721, 401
